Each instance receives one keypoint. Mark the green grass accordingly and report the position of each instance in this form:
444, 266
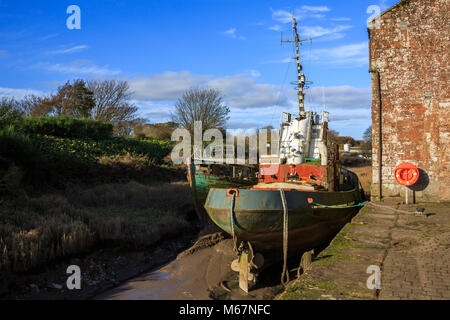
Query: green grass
51, 162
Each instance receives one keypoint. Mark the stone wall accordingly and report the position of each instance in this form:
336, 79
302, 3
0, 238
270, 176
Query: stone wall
409, 48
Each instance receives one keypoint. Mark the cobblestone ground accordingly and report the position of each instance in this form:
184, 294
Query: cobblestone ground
412, 252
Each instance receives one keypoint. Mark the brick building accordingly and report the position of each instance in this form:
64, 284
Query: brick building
409, 46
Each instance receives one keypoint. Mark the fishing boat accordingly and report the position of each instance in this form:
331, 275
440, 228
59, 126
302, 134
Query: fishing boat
302, 198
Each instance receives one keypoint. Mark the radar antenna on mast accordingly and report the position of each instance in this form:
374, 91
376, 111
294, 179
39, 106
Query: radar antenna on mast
301, 77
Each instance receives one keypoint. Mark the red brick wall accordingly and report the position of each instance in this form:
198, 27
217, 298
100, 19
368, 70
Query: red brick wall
410, 51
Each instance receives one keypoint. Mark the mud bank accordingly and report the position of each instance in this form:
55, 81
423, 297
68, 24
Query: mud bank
201, 272
100, 271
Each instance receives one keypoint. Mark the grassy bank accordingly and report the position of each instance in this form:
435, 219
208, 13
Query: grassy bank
37, 231
68, 187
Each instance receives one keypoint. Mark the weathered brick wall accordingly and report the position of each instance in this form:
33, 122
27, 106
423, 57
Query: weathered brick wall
410, 51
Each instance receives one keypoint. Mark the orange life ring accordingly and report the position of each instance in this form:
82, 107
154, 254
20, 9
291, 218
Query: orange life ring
406, 174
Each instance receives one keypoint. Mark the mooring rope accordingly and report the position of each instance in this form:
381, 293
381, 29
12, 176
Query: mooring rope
285, 272
361, 204
233, 199
390, 208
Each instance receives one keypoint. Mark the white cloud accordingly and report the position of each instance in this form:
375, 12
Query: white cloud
151, 115
330, 32
356, 53
285, 60
304, 12
240, 91
69, 50
341, 19
165, 86
344, 97
49, 36
153, 111
232, 32
316, 9
240, 125
18, 93
78, 67
282, 16
319, 31
275, 28
349, 117
254, 73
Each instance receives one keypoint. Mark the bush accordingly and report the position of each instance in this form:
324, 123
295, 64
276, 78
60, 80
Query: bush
10, 110
91, 150
19, 149
66, 127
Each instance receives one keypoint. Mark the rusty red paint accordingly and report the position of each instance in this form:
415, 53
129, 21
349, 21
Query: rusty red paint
313, 174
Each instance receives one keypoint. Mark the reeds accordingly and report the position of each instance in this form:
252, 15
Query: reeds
36, 231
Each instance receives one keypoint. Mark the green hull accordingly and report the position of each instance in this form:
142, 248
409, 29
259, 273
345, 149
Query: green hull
201, 182
257, 217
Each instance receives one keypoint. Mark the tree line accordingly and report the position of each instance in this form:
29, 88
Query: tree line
108, 100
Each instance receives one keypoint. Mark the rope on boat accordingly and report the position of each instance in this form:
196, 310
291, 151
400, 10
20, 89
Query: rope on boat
361, 204
233, 199
285, 272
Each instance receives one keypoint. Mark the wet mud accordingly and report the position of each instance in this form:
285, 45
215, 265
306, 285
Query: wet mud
202, 272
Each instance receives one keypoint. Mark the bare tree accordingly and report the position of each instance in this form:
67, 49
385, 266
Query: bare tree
35, 106
112, 101
205, 105
112, 104
367, 136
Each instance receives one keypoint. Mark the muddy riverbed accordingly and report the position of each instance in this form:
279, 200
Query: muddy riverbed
201, 272
189, 267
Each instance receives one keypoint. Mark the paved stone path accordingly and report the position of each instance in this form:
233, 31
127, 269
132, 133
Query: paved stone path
412, 252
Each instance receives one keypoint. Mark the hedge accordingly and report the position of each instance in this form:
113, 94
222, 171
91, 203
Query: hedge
65, 127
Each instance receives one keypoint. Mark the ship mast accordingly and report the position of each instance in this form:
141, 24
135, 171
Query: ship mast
301, 76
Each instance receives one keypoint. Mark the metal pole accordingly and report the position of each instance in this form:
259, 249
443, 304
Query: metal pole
301, 80
406, 195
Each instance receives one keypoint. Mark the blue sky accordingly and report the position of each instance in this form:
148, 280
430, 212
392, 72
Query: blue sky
163, 48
